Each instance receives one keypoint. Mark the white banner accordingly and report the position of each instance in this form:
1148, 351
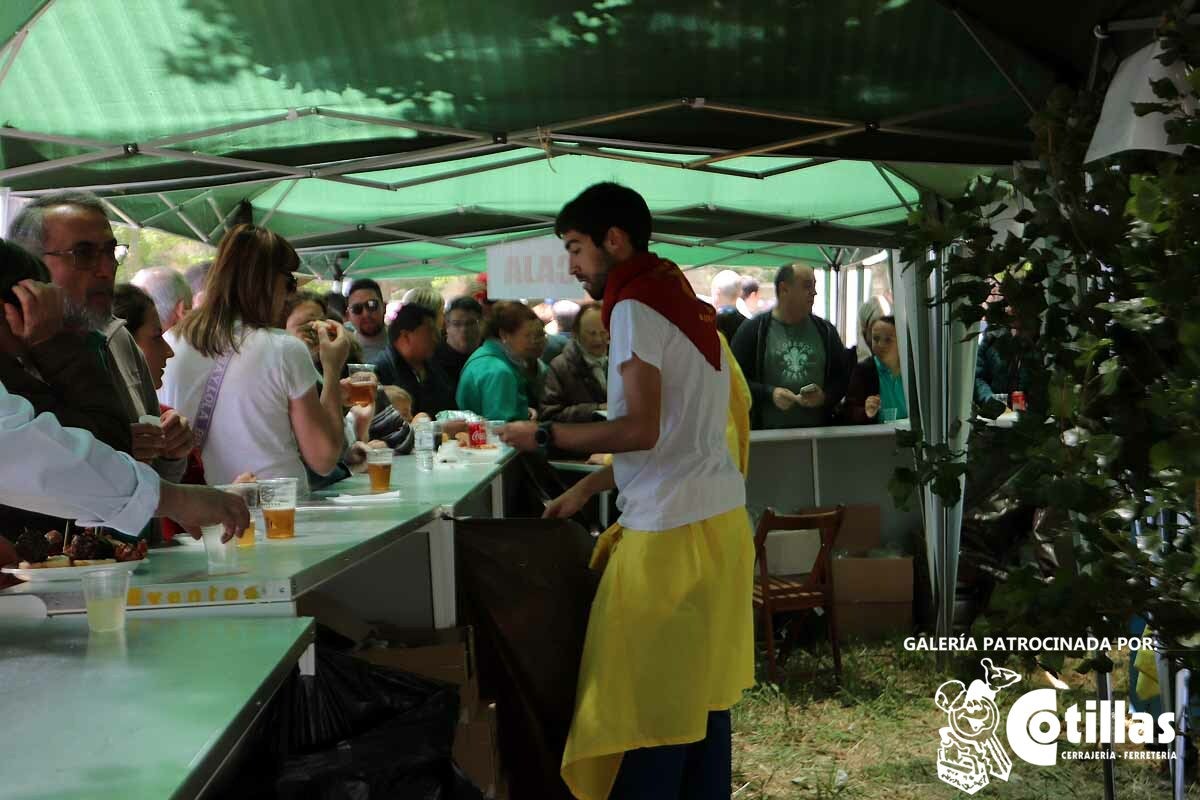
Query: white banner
529, 269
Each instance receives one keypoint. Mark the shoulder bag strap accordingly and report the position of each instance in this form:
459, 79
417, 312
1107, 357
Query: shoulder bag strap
208, 400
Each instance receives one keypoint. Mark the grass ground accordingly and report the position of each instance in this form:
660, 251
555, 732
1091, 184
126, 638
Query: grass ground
876, 737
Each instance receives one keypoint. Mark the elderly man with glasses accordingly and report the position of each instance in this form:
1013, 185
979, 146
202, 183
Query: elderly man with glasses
364, 312
71, 233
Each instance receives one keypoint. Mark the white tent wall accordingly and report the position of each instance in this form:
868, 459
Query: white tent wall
941, 388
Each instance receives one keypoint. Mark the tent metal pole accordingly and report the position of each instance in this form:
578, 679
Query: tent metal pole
186, 219
220, 217
170, 207
929, 133
816, 162
59, 163
187, 136
600, 119
116, 210
13, 46
168, 185
459, 173
471, 147
399, 235
653, 147
787, 144
580, 150
760, 232
783, 116
279, 200
420, 127
987, 51
887, 179
223, 161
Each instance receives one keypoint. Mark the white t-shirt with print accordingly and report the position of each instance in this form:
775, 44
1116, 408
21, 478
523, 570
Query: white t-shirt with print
689, 476
251, 428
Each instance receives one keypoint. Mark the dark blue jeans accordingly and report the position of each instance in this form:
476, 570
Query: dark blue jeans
698, 771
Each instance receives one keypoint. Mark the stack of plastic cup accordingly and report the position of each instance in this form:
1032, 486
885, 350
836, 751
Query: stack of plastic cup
222, 556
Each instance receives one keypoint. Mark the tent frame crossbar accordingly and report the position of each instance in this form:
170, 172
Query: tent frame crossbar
475, 143
13, 46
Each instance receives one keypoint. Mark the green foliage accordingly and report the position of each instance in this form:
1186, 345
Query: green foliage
1107, 268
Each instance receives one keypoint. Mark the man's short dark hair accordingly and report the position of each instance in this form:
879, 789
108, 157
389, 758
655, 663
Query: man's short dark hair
784, 277
410, 317
749, 287
365, 283
335, 302
465, 304
603, 206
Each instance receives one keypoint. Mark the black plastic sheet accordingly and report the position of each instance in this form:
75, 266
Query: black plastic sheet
358, 731
526, 588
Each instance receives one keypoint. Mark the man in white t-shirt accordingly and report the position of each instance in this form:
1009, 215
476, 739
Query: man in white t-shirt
670, 639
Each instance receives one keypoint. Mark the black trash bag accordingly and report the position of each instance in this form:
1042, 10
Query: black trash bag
526, 588
358, 731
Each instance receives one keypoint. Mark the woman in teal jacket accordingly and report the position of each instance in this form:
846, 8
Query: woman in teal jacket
495, 382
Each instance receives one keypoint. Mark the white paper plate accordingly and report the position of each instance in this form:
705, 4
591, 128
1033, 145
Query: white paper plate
469, 454
55, 574
365, 499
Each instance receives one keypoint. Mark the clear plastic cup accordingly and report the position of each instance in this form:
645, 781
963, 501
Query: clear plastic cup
494, 427
362, 383
277, 498
379, 468
424, 444
222, 556
249, 493
104, 595
890, 414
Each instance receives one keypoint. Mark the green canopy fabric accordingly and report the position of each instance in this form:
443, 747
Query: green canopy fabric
912, 80
433, 227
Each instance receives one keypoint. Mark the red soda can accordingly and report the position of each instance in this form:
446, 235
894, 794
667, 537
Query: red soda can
1017, 399
478, 433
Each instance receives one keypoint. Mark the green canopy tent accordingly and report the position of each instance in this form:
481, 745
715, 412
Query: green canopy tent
440, 218
153, 102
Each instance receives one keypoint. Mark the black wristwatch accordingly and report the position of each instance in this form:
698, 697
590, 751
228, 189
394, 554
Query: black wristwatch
545, 435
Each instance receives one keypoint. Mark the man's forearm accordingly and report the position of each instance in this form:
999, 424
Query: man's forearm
602, 480
621, 435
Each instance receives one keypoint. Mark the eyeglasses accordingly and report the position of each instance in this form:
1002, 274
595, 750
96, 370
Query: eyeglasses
87, 255
370, 305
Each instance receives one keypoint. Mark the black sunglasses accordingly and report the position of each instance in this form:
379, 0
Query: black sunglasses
369, 305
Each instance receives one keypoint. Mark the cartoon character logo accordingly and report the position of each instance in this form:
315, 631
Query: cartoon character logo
969, 751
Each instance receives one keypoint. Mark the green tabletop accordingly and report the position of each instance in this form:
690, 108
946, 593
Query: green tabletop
330, 538
148, 713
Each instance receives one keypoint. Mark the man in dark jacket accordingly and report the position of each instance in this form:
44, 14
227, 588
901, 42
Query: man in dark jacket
409, 363
793, 360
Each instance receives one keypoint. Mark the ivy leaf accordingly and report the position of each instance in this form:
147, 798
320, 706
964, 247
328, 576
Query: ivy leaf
901, 486
1137, 314
1165, 88
1110, 374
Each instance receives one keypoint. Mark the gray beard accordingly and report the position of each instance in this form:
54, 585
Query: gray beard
82, 317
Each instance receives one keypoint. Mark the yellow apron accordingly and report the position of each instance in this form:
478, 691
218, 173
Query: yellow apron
671, 632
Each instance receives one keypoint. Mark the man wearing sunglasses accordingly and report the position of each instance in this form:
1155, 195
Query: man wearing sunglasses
364, 310
70, 232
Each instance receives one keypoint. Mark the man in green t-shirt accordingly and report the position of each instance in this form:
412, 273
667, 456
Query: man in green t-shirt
794, 361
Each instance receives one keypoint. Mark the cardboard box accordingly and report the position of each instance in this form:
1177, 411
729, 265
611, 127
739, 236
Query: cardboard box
477, 752
873, 620
444, 655
333, 615
859, 579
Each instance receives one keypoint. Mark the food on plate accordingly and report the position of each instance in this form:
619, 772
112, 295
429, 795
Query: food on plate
86, 548
463, 439
32, 546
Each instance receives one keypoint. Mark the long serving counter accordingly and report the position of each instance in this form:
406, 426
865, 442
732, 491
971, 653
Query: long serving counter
799, 468
154, 711
391, 561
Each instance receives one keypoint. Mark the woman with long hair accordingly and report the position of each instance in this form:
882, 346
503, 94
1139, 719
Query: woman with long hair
269, 417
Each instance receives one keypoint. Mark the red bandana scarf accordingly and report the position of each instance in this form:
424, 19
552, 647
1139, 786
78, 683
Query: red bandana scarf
661, 285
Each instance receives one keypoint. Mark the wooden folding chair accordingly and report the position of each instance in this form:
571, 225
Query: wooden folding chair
775, 594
